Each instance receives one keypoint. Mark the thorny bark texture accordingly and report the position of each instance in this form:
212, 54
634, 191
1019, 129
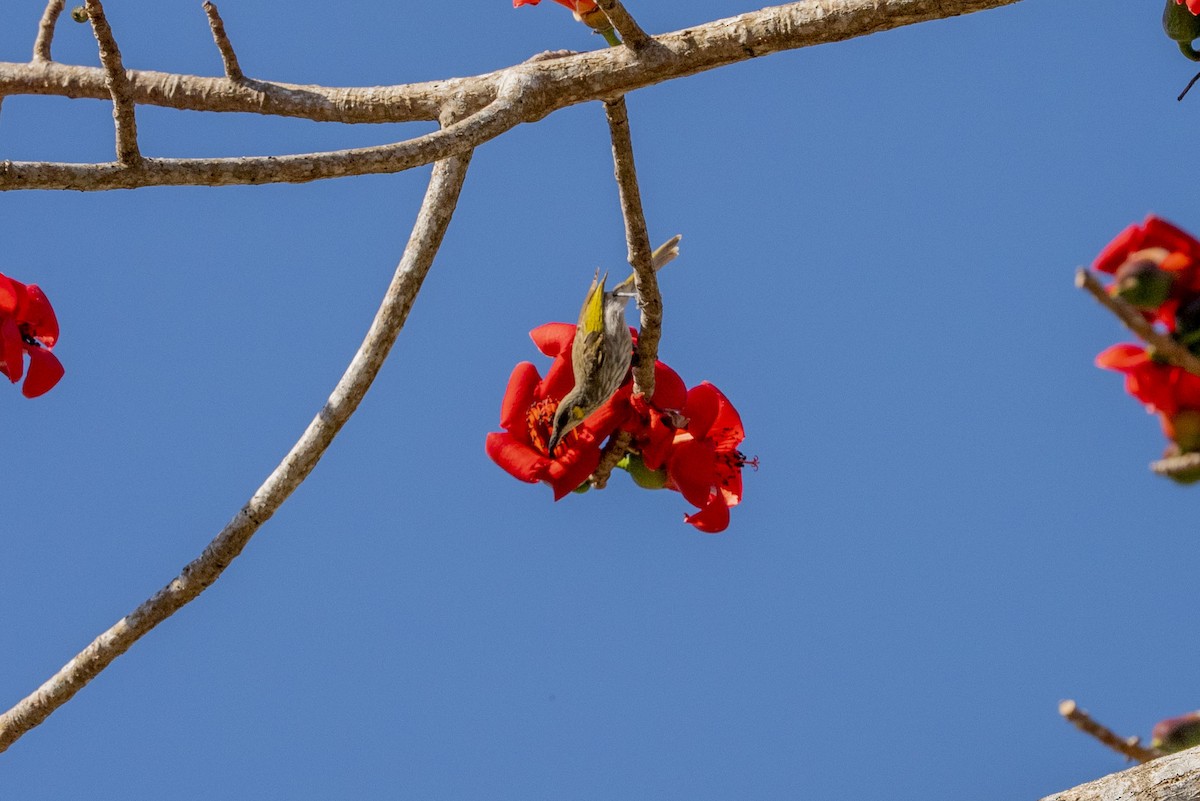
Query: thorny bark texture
1170, 778
500, 100
434, 217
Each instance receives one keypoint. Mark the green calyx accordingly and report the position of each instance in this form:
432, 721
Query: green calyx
1182, 26
1143, 284
643, 476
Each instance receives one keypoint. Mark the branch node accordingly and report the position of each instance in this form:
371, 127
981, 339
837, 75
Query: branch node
632, 35
233, 70
118, 84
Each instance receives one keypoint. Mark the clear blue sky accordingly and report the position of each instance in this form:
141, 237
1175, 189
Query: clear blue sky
953, 527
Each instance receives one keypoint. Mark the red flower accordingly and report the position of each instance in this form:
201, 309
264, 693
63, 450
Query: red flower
1192, 5
1171, 249
704, 463
28, 325
579, 7
1170, 391
528, 409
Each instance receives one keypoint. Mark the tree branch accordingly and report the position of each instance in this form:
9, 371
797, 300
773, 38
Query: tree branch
1163, 345
1129, 747
45, 34
233, 70
503, 114
632, 34
638, 241
547, 86
423, 244
118, 86
1175, 777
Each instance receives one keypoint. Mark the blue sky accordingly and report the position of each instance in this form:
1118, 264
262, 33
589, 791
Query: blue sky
952, 529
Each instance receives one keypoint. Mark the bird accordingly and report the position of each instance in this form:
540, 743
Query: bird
603, 347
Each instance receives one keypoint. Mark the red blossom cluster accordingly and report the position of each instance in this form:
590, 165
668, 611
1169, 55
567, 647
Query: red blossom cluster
1156, 267
1192, 5
28, 327
681, 439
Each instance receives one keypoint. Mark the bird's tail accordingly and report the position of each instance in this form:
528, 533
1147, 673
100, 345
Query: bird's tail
663, 255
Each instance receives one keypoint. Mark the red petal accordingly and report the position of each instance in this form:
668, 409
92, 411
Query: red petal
12, 348
669, 390
692, 469
572, 468
44, 372
559, 380
10, 294
703, 403
1157, 232
712, 519
517, 458
519, 3
1123, 357
1116, 251
39, 316
554, 339
518, 397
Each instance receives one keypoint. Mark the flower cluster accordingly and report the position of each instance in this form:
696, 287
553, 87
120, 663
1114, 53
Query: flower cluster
28, 327
680, 439
1156, 268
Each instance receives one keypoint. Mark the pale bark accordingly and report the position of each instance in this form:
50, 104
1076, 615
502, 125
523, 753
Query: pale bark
1170, 778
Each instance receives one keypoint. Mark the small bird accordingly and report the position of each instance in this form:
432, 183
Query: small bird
603, 347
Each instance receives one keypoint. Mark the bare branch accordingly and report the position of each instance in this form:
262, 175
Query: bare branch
426, 238
638, 241
1163, 345
613, 452
1175, 777
233, 70
500, 116
1128, 747
45, 35
632, 34
118, 86
552, 84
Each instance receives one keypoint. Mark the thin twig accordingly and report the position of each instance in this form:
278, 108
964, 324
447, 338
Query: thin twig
632, 35
430, 227
233, 70
638, 241
45, 35
1127, 746
1163, 345
613, 452
118, 86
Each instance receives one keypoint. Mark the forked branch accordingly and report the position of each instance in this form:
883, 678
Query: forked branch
546, 86
118, 86
423, 244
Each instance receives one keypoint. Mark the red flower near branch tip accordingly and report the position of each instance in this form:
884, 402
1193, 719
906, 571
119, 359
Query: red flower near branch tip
1192, 5
1156, 266
1171, 392
578, 7
527, 412
28, 326
704, 462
